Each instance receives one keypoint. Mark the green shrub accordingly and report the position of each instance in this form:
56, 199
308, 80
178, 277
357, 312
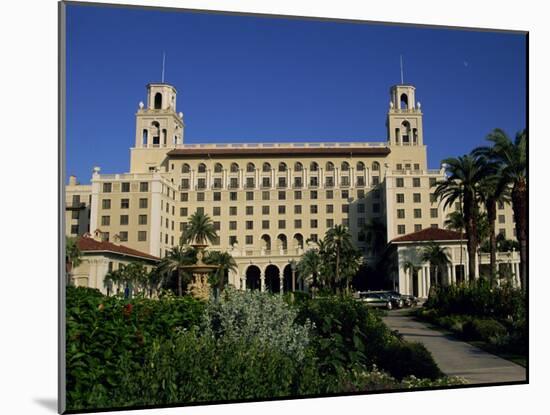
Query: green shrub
257, 316
403, 359
483, 329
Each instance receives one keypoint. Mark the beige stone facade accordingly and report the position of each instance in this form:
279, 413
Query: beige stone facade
267, 200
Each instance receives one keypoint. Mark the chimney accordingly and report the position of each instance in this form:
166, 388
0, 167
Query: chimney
72, 180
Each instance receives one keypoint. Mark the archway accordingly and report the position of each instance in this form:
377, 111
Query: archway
272, 279
266, 243
298, 241
282, 242
158, 101
253, 278
287, 279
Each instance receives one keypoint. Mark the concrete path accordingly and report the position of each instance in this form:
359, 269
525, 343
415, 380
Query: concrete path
455, 357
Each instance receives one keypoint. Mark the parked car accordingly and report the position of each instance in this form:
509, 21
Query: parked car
372, 299
395, 298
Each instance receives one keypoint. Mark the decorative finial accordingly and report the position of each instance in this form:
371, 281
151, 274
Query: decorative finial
418, 105
180, 114
140, 105
391, 104
97, 169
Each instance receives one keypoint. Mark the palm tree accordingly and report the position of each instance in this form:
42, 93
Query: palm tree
309, 268
199, 230
512, 158
113, 277
376, 233
455, 222
135, 275
338, 240
73, 256
177, 257
463, 177
436, 256
492, 190
226, 264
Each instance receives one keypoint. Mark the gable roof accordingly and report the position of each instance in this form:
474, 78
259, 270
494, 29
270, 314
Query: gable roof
430, 234
86, 244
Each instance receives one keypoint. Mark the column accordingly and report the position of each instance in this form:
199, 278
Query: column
224, 179
453, 274
421, 282
209, 179
241, 178
293, 280
192, 179
281, 276
321, 177
305, 178
243, 282
352, 177
289, 178
262, 280
337, 177
448, 280
517, 282
273, 178
428, 280
257, 179
476, 275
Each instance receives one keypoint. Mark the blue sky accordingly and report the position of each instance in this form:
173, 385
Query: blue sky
254, 79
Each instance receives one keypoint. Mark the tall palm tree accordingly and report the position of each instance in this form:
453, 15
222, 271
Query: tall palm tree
376, 234
338, 239
199, 230
226, 264
177, 257
436, 256
491, 191
463, 176
512, 158
309, 268
112, 278
73, 256
455, 222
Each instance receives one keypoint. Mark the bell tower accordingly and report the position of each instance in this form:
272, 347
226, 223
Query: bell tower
404, 120
157, 123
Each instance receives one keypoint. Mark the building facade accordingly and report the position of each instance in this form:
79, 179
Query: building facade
268, 201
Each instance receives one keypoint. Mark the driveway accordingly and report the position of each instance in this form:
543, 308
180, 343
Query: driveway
455, 357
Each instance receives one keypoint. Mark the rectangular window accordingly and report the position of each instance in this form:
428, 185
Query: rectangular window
399, 166
376, 208
125, 187
183, 211
143, 186
216, 211
217, 196
249, 195
106, 203
265, 195
313, 194
217, 226
233, 211
200, 210
400, 197
282, 224
265, 210
298, 223
107, 187
282, 209
183, 226
297, 195
184, 197
399, 182
345, 222
330, 223
433, 181
417, 213
401, 229
501, 205
417, 198
345, 194
360, 181
433, 213
200, 196
282, 195
217, 183
105, 220
345, 208
297, 209
75, 214
74, 229
417, 227
250, 183
416, 181
265, 224
330, 208
329, 181
233, 183
123, 236
249, 239
432, 198
313, 223
313, 182
298, 182
375, 180
434, 226
232, 240
143, 203
266, 182
360, 194
313, 209
250, 210
345, 181
282, 181
232, 225
249, 224
401, 213
501, 219
502, 232
142, 219
201, 184
142, 236
360, 222
124, 219
330, 194
233, 196
313, 237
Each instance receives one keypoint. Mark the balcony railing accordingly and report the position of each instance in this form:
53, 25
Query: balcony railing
75, 206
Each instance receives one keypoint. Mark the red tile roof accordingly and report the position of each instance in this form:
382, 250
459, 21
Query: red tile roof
291, 151
86, 244
430, 234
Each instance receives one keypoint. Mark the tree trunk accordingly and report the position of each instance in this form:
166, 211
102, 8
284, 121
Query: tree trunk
180, 288
471, 237
519, 205
492, 217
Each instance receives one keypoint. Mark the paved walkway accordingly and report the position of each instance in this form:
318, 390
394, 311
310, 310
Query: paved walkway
455, 357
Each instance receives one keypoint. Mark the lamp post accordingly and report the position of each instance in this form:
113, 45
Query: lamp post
293, 269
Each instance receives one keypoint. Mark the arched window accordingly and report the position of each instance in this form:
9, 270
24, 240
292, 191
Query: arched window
250, 167
298, 166
313, 166
155, 131
345, 166
266, 167
145, 137
218, 168
202, 168
360, 166
330, 166
415, 136
375, 166
282, 166
406, 128
185, 168
234, 168
158, 101
164, 137
404, 102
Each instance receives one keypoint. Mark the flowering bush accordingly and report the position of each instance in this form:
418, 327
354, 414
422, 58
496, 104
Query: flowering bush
262, 317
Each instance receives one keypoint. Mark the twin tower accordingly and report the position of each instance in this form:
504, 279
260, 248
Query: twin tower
158, 125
